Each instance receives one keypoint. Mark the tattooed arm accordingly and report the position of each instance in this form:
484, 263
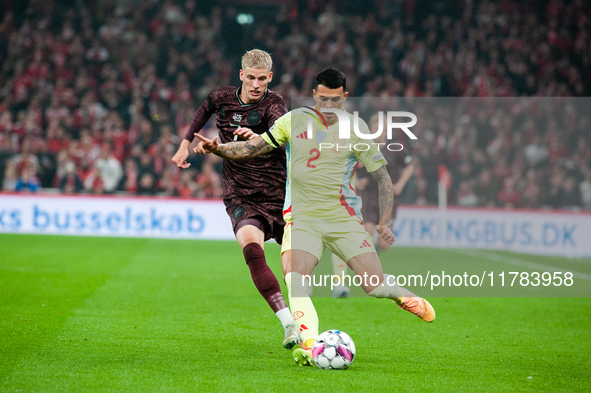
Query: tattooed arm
386, 195
236, 151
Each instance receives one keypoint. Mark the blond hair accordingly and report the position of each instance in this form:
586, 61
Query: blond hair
257, 59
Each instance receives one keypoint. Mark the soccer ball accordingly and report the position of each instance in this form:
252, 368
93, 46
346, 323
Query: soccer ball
333, 350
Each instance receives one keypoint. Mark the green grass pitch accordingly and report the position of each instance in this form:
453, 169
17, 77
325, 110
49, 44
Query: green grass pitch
113, 314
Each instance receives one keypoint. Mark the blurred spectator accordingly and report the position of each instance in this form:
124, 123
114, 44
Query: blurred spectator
10, 177
165, 185
47, 165
509, 197
110, 169
585, 188
146, 164
146, 185
187, 186
466, 196
553, 190
570, 196
130, 177
535, 152
27, 181
209, 182
531, 191
93, 182
71, 183
486, 189
6, 155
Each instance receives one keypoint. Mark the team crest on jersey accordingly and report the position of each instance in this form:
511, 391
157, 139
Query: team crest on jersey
253, 118
238, 212
237, 117
320, 135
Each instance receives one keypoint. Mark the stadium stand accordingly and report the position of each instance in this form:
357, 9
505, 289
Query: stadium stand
94, 96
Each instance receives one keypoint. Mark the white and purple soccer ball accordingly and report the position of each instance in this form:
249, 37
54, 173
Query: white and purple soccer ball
333, 350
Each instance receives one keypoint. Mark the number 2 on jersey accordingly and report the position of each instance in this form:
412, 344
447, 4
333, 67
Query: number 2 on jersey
315, 155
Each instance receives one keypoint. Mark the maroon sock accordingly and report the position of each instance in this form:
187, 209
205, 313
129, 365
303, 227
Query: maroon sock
263, 277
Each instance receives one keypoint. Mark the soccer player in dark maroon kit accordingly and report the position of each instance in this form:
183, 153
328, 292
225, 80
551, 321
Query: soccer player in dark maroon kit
254, 190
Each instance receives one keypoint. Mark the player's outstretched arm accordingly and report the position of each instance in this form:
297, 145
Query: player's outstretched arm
236, 151
386, 195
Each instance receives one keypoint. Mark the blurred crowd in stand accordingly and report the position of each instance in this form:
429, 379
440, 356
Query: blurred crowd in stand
95, 96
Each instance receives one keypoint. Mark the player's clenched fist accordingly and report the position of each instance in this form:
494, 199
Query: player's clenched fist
385, 233
180, 157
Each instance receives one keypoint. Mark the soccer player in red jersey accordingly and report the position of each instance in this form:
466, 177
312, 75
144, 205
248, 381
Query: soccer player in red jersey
254, 190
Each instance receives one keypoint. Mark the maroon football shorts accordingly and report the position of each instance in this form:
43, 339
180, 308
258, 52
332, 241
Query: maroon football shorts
268, 217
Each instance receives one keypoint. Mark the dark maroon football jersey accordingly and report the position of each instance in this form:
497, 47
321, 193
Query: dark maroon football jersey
259, 179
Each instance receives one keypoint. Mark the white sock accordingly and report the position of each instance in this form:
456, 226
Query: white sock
285, 317
388, 289
302, 308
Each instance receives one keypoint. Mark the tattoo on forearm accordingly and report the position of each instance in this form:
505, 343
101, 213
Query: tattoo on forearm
236, 151
386, 195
